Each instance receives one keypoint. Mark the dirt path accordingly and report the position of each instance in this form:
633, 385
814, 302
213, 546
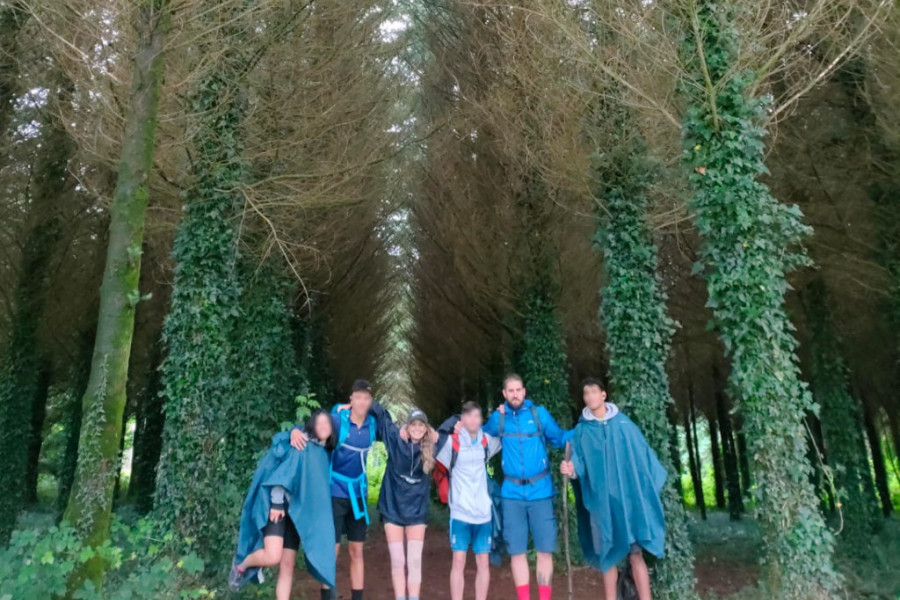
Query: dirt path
436, 569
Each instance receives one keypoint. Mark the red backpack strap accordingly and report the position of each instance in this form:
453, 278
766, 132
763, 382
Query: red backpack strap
484, 444
454, 445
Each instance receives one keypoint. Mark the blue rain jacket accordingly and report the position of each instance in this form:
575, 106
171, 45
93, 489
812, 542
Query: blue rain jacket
525, 452
304, 475
619, 479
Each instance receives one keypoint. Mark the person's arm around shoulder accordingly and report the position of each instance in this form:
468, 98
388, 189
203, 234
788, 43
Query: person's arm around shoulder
445, 452
553, 433
492, 426
385, 428
494, 445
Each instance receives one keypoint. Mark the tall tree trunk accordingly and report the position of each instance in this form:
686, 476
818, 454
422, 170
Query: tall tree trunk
743, 456
35, 441
748, 239
881, 478
729, 455
693, 461
639, 331
90, 502
841, 423
68, 461
675, 452
22, 392
715, 447
148, 433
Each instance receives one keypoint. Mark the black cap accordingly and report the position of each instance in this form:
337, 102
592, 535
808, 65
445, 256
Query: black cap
361, 385
416, 415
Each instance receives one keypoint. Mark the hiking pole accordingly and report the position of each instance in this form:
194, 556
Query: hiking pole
566, 524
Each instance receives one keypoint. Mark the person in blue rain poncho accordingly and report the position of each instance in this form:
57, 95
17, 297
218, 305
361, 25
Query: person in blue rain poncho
617, 479
287, 501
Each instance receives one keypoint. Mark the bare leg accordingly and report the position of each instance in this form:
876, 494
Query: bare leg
394, 536
337, 554
415, 541
285, 575
457, 575
519, 566
357, 567
610, 583
267, 556
482, 576
641, 575
544, 568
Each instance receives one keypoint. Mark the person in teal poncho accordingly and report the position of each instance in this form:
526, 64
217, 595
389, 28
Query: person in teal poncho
617, 479
287, 502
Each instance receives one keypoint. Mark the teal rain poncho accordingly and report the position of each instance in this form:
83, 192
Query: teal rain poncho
619, 479
304, 475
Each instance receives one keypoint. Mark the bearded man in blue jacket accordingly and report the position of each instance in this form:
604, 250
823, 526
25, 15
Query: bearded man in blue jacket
525, 429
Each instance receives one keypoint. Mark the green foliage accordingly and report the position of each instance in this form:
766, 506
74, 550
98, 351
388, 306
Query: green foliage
543, 360
38, 562
841, 419
749, 244
638, 335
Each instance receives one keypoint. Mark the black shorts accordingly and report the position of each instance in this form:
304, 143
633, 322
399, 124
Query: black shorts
345, 523
284, 529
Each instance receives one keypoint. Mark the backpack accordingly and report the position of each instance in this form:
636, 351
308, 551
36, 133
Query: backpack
344, 429
441, 474
537, 423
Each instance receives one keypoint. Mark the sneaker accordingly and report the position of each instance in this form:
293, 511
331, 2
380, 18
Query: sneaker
236, 577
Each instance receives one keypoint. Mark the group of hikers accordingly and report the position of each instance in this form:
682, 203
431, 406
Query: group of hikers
315, 476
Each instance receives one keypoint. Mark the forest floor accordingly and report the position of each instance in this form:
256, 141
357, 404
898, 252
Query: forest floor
726, 566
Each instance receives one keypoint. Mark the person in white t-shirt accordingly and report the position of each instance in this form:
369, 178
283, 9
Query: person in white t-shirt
465, 456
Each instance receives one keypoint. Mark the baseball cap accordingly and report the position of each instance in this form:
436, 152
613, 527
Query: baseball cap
417, 415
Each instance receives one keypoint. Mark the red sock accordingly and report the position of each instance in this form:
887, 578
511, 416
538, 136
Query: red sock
544, 592
523, 592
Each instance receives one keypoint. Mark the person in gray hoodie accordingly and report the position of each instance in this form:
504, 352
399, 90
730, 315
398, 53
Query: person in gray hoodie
465, 455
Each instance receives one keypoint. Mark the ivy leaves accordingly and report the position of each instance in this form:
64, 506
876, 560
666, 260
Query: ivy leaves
750, 243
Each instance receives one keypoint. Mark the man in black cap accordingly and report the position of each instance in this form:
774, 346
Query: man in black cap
356, 432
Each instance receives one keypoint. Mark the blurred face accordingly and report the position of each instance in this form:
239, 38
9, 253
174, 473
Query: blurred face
360, 403
514, 392
323, 428
594, 397
471, 421
417, 430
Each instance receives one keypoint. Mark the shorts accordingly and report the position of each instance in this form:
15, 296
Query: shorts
345, 523
463, 534
284, 529
521, 517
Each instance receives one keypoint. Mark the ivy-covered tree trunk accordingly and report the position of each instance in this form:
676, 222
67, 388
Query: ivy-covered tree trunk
269, 379
23, 383
90, 502
841, 420
543, 359
639, 336
748, 247
198, 375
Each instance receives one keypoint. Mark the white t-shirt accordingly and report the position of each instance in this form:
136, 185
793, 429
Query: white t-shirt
470, 501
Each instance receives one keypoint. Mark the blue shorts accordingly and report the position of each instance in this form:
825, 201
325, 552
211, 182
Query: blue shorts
523, 516
462, 534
